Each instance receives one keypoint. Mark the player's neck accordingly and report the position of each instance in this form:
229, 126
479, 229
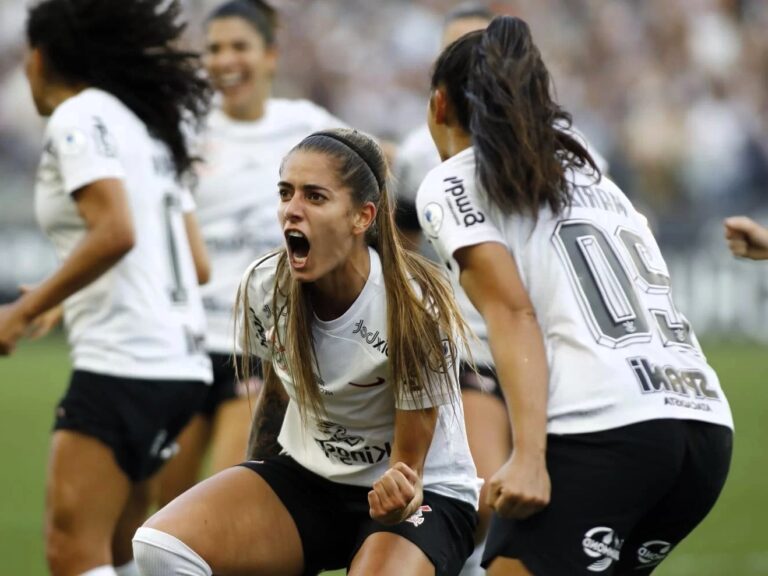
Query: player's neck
333, 294
457, 141
252, 110
56, 94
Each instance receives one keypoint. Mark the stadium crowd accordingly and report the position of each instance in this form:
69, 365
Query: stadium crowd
672, 92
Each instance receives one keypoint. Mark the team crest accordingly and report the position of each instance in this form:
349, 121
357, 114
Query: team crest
417, 518
433, 216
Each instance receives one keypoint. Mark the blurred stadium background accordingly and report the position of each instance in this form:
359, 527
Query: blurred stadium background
673, 92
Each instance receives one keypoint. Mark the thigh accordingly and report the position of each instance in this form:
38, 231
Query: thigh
231, 426
387, 554
442, 530
602, 485
236, 523
686, 504
86, 493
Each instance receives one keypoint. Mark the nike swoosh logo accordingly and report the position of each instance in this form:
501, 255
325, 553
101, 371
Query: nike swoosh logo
379, 382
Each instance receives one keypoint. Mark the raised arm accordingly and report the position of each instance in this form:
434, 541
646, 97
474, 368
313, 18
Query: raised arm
490, 277
267, 417
399, 493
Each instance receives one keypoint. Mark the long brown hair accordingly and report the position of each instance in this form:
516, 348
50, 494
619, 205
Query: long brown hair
423, 319
499, 88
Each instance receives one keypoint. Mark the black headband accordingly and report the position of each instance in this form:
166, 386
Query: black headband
356, 149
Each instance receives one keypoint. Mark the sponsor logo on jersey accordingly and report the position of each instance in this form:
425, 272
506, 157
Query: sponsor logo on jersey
261, 332
371, 337
654, 379
462, 209
417, 518
105, 143
433, 216
651, 553
379, 381
345, 448
602, 544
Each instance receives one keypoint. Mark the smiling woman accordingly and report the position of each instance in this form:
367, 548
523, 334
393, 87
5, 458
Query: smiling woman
358, 436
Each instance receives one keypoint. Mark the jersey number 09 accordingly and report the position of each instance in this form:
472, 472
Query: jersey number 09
614, 294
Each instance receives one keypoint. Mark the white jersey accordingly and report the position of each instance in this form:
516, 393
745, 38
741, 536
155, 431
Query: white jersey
618, 350
415, 158
237, 198
142, 318
353, 442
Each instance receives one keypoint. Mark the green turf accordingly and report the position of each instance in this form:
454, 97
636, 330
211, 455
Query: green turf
732, 541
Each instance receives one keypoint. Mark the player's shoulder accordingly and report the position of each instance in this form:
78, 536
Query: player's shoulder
85, 105
263, 271
455, 176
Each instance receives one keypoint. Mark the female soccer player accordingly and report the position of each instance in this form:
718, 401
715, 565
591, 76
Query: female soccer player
245, 139
622, 435
109, 197
372, 469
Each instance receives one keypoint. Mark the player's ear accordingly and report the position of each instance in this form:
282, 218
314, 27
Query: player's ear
438, 106
364, 218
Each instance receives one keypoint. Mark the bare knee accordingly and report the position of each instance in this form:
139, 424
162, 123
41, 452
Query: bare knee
70, 550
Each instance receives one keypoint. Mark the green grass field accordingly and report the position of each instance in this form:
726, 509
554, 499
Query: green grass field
732, 541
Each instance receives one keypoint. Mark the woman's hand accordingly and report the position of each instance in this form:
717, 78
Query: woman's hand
520, 488
396, 495
13, 324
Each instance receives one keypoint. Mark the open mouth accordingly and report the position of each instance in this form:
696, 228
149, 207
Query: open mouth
298, 247
229, 80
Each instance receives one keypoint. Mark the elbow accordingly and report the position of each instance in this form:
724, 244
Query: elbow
121, 241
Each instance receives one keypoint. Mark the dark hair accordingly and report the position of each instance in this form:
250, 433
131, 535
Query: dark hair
499, 89
258, 13
468, 10
126, 48
421, 311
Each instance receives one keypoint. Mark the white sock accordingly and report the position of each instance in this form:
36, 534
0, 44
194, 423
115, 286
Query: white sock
100, 571
157, 553
472, 565
128, 569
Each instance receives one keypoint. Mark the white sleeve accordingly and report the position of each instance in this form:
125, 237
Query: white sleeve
84, 146
450, 214
256, 289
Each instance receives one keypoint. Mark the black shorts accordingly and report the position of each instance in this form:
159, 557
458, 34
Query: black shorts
333, 519
622, 499
138, 419
225, 385
484, 380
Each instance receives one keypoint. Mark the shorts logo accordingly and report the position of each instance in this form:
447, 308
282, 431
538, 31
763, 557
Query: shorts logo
652, 553
417, 518
433, 216
601, 543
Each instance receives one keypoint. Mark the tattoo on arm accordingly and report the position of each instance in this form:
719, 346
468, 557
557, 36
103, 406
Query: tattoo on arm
267, 417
